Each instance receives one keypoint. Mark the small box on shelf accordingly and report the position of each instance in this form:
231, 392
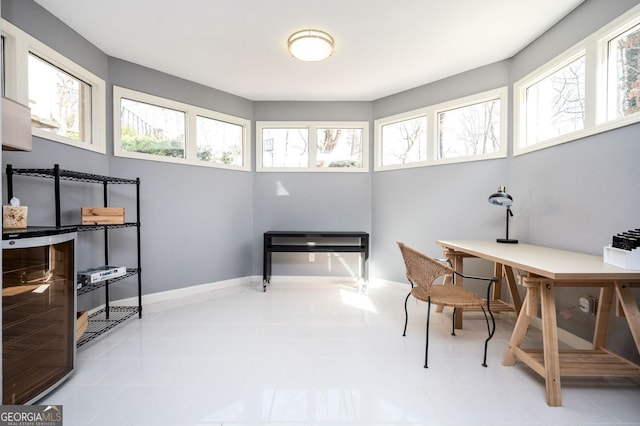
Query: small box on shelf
14, 217
102, 215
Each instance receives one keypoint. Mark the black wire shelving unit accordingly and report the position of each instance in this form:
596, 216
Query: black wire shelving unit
108, 317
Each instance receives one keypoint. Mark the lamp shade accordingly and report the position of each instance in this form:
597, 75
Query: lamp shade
310, 45
501, 198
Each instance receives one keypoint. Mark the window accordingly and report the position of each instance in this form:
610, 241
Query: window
67, 102
404, 141
154, 128
287, 147
339, 147
219, 142
555, 105
316, 146
60, 103
466, 129
469, 131
624, 72
591, 88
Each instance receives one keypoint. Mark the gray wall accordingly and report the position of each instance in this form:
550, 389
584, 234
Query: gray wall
572, 196
196, 221
420, 205
576, 195
311, 201
202, 225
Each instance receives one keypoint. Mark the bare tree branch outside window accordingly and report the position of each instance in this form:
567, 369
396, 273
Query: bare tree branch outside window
555, 105
339, 147
404, 142
469, 131
626, 53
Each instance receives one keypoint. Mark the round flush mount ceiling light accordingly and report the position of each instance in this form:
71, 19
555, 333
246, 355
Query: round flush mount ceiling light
311, 45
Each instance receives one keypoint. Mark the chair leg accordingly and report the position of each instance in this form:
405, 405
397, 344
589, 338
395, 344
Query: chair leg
426, 348
453, 322
406, 315
491, 330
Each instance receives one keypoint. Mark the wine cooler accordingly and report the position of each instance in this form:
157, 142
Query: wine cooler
38, 313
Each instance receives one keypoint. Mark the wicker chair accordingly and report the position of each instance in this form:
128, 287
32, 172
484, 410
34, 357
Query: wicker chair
422, 271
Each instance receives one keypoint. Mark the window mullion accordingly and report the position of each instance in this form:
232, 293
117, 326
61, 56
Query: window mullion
432, 136
595, 74
313, 147
191, 136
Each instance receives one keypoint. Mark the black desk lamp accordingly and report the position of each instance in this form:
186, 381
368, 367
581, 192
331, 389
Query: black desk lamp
501, 198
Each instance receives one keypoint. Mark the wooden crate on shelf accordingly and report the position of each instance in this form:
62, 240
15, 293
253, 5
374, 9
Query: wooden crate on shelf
102, 215
82, 322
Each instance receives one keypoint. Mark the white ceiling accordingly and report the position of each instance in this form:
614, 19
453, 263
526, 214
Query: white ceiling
382, 46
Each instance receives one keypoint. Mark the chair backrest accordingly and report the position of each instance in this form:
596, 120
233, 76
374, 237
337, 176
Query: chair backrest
422, 270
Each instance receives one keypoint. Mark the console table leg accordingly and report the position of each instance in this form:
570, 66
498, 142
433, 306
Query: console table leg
362, 285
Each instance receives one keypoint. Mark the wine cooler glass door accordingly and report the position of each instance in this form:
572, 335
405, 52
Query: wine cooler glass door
38, 316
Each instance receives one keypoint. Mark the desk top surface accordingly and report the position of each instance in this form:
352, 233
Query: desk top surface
544, 261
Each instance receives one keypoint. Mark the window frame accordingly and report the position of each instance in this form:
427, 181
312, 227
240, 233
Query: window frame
18, 46
312, 127
191, 114
520, 101
431, 113
394, 119
597, 87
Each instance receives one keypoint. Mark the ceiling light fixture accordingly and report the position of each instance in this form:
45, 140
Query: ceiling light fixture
311, 45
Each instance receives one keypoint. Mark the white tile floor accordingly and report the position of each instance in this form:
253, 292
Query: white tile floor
317, 354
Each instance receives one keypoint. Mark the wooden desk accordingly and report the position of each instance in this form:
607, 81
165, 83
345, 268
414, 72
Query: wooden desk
544, 269
500, 271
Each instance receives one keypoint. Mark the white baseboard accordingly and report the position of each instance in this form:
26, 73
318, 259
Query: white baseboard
310, 279
164, 296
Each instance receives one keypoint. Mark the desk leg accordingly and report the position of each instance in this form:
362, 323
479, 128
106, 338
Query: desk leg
497, 287
458, 266
448, 278
447, 281
513, 288
522, 324
603, 318
630, 309
550, 344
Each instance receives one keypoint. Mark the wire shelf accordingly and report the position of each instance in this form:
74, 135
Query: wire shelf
72, 176
90, 287
82, 228
99, 324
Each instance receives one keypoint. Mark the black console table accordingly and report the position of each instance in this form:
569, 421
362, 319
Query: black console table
314, 242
